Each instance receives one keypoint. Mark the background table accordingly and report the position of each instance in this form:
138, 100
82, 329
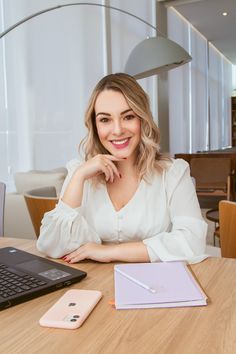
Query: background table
207, 329
213, 215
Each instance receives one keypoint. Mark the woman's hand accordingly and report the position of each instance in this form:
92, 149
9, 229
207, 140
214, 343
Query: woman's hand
94, 251
100, 164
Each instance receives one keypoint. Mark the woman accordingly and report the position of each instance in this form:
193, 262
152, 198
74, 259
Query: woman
124, 202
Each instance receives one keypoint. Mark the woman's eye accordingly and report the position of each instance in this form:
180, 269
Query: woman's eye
104, 120
129, 117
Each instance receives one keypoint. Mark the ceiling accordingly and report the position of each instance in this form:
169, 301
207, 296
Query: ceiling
206, 16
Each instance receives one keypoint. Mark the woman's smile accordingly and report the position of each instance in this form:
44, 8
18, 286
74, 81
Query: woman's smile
120, 144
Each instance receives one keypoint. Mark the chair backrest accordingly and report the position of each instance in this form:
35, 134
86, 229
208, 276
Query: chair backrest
210, 169
227, 221
39, 201
2, 206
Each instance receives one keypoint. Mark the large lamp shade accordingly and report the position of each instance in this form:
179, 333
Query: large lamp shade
155, 55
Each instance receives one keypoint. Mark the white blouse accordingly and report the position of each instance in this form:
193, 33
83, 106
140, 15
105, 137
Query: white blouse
164, 214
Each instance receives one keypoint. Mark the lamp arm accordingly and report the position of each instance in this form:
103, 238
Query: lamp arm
9, 29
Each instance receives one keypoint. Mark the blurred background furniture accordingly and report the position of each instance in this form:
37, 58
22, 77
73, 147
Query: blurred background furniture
213, 215
227, 219
39, 201
211, 201
212, 176
2, 206
17, 221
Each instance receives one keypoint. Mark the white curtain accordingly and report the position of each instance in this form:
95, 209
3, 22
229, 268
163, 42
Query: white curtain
220, 88
216, 99
179, 88
49, 66
199, 92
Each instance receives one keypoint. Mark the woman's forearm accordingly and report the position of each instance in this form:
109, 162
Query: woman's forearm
130, 252
74, 192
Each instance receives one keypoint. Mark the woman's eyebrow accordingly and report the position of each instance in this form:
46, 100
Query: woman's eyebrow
108, 114
126, 111
103, 113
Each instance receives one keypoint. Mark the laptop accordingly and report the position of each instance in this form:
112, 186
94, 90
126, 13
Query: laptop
24, 276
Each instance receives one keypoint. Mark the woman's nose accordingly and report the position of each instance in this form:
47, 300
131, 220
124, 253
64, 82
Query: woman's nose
118, 128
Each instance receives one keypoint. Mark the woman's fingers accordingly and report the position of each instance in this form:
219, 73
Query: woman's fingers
109, 159
102, 163
106, 171
75, 256
111, 173
112, 169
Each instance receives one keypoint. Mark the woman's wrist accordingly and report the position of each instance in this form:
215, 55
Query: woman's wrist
79, 176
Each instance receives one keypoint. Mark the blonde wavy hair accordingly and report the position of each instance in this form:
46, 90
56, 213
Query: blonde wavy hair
148, 158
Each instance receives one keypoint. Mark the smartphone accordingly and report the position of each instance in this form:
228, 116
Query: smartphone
71, 309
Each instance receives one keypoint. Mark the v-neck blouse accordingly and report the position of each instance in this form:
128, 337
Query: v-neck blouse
131, 201
164, 214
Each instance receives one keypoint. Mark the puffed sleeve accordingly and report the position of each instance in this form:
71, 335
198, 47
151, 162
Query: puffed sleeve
64, 229
186, 239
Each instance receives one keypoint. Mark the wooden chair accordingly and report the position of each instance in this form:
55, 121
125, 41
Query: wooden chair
39, 201
227, 212
212, 176
2, 206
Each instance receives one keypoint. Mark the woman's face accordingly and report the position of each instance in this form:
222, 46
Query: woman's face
118, 127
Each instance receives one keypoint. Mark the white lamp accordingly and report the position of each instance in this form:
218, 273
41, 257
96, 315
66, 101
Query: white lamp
150, 57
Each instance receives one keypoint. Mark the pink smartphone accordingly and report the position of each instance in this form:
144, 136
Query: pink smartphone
71, 309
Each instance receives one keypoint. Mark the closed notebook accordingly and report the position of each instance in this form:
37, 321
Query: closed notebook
172, 283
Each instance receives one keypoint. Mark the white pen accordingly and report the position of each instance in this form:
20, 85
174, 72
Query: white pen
136, 281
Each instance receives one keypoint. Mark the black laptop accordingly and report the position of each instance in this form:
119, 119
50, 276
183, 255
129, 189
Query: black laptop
24, 276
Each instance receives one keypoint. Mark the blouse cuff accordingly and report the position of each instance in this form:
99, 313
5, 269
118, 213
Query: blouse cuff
64, 209
152, 255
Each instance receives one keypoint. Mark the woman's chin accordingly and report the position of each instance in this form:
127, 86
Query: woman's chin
120, 155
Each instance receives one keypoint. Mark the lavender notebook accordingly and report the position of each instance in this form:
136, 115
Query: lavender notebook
173, 282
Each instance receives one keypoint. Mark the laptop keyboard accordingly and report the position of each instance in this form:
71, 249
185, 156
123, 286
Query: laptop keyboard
13, 282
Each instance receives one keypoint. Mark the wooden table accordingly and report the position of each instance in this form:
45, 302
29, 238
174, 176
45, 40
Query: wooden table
207, 329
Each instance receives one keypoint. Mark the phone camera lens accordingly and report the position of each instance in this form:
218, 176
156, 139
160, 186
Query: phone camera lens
76, 316
73, 320
72, 304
